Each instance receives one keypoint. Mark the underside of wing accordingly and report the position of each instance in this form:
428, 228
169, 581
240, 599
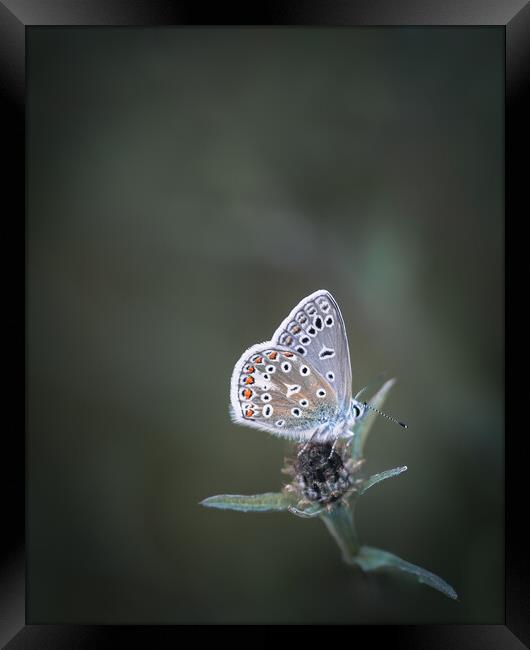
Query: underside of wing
275, 389
315, 331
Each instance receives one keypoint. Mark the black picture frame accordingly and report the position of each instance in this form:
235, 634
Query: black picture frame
19, 16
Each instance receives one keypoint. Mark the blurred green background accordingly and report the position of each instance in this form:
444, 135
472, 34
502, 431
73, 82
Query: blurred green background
186, 188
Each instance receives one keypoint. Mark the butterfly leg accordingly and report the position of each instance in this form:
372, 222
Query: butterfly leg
302, 450
311, 440
349, 435
333, 447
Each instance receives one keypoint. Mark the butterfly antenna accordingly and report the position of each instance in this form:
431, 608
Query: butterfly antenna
388, 417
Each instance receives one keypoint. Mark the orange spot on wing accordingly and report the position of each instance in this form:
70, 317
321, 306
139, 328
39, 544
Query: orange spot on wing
247, 393
250, 369
295, 329
249, 413
258, 360
288, 354
273, 355
249, 380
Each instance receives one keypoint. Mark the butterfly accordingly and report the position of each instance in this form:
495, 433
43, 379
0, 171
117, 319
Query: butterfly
298, 384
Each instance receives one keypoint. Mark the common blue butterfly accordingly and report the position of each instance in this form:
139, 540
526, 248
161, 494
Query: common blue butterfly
298, 384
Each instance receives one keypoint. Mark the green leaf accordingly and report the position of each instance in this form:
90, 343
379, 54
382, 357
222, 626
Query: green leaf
311, 511
377, 478
362, 428
373, 559
270, 501
339, 522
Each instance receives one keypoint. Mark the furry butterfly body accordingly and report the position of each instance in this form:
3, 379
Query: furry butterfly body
298, 384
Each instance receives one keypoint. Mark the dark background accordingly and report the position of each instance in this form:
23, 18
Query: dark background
186, 187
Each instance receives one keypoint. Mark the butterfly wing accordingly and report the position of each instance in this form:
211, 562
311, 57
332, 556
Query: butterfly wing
315, 330
275, 389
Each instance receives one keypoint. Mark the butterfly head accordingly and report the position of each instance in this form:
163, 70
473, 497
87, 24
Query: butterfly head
357, 409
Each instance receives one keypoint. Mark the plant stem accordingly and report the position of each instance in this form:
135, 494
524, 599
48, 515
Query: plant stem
339, 522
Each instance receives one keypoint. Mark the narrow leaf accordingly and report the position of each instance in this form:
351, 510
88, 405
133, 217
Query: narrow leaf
339, 522
270, 501
363, 426
377, 478
372, 559
310, 511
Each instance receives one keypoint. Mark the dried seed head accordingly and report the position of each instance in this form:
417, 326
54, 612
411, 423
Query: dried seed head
322, 474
